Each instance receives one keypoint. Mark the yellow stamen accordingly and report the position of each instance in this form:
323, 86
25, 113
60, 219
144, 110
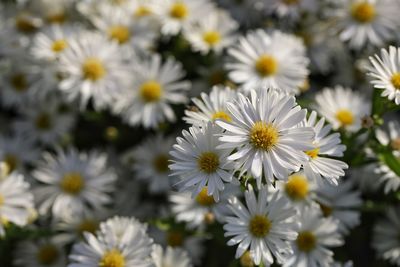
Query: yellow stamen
1, 200
87, 225
93, 69
112, 258
212, 37
11, 162
259, 226
208, 162
306, 241
313, 153
297, 187
19, 82
204, 199
56, 18
266, 65
396, 80
72, 183
179, 11
142, 11
345, 117
59, 45
120, 33
161, 163
151, 91
43, 121
326, 210
47, 254
363, 12
25, 25
263, 136
221, 115
175, 239
246, 260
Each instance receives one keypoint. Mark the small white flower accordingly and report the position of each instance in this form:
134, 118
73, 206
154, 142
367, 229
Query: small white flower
16, 202
155, 86
265, 131
315, 236
211, 106
120, 242
291, 10
199, 162
319, 164
264, 227
262, 60
342, 107
386, 236
174, 257
73, 182
385, 71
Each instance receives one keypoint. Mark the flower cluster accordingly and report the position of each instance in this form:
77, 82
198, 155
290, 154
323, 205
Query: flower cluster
181, 133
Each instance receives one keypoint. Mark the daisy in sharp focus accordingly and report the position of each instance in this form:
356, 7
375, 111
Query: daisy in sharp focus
342, 107
175, 15
341, 202
319, 164
364, 22
262, 60
385, 71
315, 236
73, 182
198, 161
150, 162
155, 86
174, 257
93, 68
42, 252
386, 236
120, 242
266, 133
211, 107
212, 33
16, 201
265, 226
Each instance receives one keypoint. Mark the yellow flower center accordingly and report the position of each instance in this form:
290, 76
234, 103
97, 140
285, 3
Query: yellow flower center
263, 136
112, 258
19, 82
1, 200
208, 162
396, 80
11, 162
217, 77
395, 143
345, 117
221, 115
120, 33
212, 37
313, 153
297, 187
142, 11
25, 25
43, 121
59, 45
175, 239
306, 241
87, 226
56, 18
47, 254
266, 65
259, 226
179, 11
204, 199
93, 69
290, 2
161, 163
326, 210
72, 183
151, 91
246, 260
363, 12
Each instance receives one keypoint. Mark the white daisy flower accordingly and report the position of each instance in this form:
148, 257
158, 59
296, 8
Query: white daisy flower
366, 177
203, 209
45, 123
175, 257
40, 253
390, 136
265, 131
16, 202
121, 241
141, 9
50, 43
318, 165
199, 162
174, 15
362, 22
315, 236
386, 236
212, 33
119, 25
94, 69
73, 182
151, 160
342, 107
291, 9
211, 106
385, 71
16, 152
341, 202
155, 87
265, 226
263, 60
387, 177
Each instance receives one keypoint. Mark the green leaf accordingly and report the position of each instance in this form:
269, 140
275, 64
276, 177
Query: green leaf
391, 161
